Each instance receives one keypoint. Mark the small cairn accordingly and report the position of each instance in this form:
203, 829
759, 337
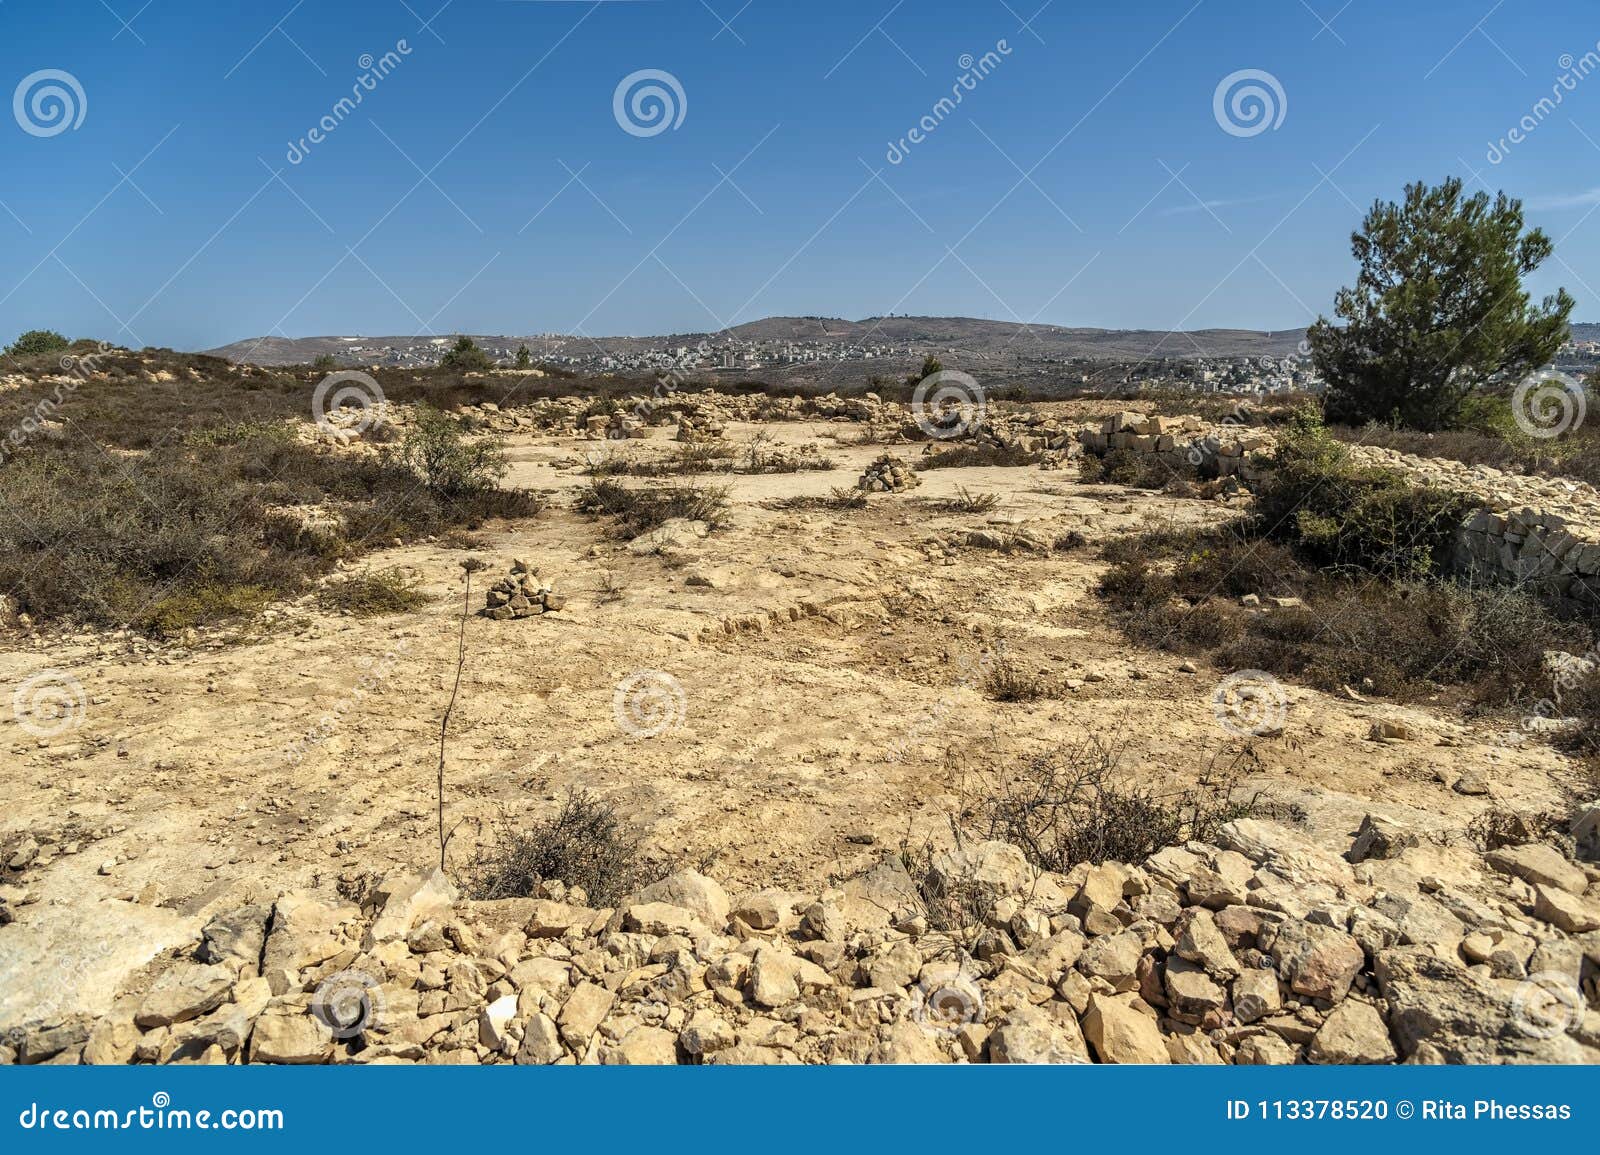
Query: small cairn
888, 474
694, 427
524, 594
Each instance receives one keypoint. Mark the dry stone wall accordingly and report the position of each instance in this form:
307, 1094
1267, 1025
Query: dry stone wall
1538, 532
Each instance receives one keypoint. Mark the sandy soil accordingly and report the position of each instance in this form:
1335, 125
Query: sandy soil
797, 748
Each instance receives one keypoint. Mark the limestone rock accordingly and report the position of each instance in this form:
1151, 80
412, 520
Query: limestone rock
1539, 865
236, 937
583, 1011
1380, 838
1318, 961
1354, 1033
541, 1041
1122, 1030
694, 891
405, 898
1566, 910
289, 1035
643, 1046
1031, 1035
187, 991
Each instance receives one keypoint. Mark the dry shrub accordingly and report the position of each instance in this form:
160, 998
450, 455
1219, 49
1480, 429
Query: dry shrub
685, 460
185, 534
1076, 804
974, 455
639, 510
1005, 682
373, 593
1400, 639
583, 845
967, 502
951, 905
839, 499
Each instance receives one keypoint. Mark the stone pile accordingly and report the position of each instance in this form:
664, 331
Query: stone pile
695, 427
1260, 948
617, 426
869, 408
522, 594
1180, 440
888, 474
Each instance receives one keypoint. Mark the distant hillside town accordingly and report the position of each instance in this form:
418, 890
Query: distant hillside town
827, 352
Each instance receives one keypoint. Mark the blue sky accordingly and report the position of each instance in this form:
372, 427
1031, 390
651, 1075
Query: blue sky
485, 184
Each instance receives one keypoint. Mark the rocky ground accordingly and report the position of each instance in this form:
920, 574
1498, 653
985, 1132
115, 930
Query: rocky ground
1264, 949
779, 704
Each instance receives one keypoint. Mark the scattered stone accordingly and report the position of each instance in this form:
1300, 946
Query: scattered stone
586, 1006
1318, 961
1565, 910
1539, 865
1391, 731
1353, 1033
1380, 838
1031, 1035
1123, 1030
185, 992
289, 1035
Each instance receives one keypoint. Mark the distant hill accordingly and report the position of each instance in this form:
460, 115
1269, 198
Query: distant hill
968, 336
923, 334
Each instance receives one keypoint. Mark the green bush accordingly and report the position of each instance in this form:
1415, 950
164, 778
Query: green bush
192, 531
37, 341
436, 449
465, 356
1342, 515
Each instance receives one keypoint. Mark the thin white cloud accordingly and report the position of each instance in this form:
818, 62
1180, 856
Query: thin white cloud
1212, 206
1565, 200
